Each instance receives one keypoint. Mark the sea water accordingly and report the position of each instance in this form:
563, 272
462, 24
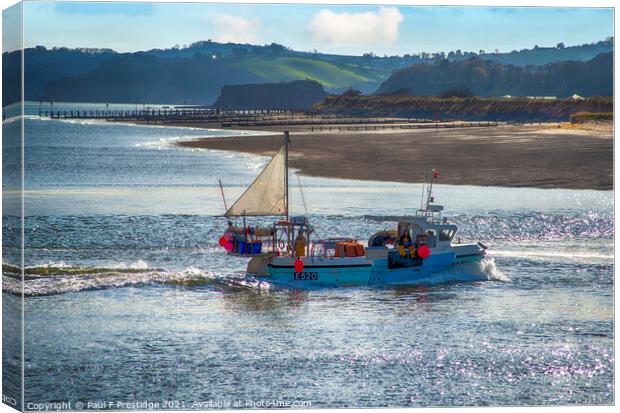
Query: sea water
130, 299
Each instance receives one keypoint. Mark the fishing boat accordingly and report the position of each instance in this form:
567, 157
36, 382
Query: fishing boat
287, 253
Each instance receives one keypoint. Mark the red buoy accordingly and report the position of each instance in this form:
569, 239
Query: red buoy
423, 251
222, 241
299, 265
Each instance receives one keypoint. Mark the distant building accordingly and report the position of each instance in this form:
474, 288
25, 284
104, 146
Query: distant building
577, 97
541, 97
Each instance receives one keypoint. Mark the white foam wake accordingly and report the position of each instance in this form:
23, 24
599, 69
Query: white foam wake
484, 270
60, 278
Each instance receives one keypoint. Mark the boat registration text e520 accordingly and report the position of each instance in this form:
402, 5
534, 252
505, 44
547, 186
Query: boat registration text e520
305, 276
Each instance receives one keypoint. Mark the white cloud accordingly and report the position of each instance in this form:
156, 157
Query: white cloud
235, 29
369, 28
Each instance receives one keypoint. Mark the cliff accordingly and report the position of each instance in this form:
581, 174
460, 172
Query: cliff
298, 94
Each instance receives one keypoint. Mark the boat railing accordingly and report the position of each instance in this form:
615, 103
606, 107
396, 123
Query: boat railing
432, 216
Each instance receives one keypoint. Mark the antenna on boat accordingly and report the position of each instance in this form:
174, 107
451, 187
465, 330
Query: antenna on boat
423, 192
429, 195
301, 191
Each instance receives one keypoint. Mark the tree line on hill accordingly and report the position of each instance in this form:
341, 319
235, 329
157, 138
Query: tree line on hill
535, 56
195, 74
479, 77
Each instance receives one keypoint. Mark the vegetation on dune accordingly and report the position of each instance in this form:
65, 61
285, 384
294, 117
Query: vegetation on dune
457, 92
474, 108
584, 117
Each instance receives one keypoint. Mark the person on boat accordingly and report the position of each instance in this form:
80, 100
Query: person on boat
404, 242
228, 234
300, 245
235, 235
405, 239
233, 229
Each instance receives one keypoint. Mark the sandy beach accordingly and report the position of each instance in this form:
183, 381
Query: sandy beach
510, 156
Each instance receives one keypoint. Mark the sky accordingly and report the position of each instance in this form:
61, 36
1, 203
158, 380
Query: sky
341, 29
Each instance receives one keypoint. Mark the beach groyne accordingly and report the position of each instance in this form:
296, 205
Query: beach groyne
171, 115
260, 118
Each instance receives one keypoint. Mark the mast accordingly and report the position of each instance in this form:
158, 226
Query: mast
286, 140
223, 197
429, 196
429, 190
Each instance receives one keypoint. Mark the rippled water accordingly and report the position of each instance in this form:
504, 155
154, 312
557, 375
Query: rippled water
129, 297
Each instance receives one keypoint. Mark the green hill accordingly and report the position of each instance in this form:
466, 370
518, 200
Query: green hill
285, 68
196, 73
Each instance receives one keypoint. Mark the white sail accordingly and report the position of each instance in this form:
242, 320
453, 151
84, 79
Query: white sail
267, 194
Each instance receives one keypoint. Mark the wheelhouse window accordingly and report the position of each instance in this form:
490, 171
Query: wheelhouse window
446, 234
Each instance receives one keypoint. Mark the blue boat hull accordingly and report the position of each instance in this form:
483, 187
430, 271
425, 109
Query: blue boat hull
360, 271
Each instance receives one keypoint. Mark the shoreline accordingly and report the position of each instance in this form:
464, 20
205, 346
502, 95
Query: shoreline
504, 156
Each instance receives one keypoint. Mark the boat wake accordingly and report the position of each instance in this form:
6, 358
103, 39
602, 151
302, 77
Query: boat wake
61, 278
484, 270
